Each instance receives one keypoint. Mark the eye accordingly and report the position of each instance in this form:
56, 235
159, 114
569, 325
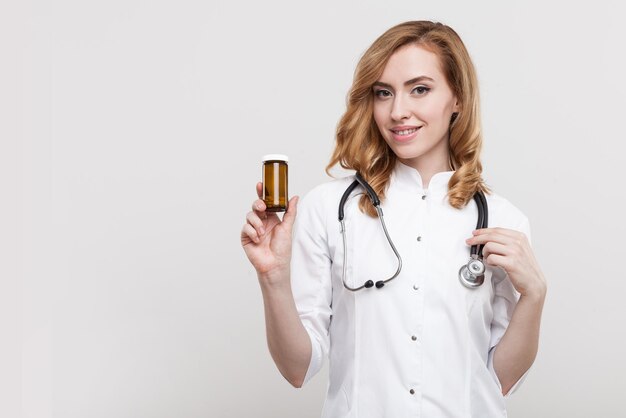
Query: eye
382, 93
422, 88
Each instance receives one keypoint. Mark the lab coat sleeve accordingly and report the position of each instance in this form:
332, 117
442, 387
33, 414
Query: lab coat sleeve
505, 300
311, 274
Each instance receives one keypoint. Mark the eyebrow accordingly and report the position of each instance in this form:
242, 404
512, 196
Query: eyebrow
406, 83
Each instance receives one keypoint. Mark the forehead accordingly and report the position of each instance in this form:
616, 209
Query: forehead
411, 61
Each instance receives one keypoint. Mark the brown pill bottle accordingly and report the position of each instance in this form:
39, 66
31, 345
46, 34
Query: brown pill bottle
275, 175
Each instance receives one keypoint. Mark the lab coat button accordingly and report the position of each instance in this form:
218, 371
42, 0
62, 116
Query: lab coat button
412, 392
419, 238
413, 337
423, 197
415, 287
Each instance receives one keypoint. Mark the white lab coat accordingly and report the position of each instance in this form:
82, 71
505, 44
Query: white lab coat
421, 346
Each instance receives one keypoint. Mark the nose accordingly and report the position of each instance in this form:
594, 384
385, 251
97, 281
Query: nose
399, 110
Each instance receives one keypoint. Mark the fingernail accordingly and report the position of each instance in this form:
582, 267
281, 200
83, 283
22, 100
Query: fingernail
262, 230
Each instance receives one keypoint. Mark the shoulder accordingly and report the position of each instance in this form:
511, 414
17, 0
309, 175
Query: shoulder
503, 213
322, 201
325, 193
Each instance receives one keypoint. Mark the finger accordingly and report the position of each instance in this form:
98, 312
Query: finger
491, 237
496, 230
495, 248
259, 205
260, 209
250, 232
254, 220
292, 211
497, 260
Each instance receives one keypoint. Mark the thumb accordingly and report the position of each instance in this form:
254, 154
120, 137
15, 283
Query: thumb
292, 211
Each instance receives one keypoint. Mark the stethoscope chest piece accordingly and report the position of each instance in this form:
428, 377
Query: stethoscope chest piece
472, 274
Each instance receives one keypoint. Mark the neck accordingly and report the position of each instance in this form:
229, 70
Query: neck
427, 169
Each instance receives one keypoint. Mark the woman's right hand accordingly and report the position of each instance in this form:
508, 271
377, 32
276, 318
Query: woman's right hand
266, 239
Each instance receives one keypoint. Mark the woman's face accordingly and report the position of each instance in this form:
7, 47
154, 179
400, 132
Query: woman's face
412, 93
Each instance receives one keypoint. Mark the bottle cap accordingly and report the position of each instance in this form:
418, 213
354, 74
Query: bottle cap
273, 157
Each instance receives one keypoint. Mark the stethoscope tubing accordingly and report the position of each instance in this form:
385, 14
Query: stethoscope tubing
376, 202
481, 202
471, 274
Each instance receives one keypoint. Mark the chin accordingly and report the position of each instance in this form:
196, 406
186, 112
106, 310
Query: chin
408, 154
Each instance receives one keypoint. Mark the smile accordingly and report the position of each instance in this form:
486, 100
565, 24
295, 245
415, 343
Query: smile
406, 131
405, 135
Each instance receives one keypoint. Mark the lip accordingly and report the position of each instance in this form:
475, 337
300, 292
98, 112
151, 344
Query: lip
405, 138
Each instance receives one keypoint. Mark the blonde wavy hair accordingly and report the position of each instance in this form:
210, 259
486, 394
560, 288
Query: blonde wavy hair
359, 143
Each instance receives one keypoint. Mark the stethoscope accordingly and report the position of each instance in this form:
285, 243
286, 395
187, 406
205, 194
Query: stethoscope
471, 275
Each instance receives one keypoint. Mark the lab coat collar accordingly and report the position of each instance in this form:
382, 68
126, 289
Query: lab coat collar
408, 177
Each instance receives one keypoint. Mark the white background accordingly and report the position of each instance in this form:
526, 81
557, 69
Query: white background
131, 138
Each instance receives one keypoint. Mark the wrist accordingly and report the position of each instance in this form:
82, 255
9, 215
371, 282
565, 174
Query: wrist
275, 279
537, 295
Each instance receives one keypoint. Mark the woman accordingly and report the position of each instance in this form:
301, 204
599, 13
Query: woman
422, 343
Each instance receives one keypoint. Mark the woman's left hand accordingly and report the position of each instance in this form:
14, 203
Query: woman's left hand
511, 250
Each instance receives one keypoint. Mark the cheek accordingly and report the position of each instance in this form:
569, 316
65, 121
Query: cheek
432, 113
378, 116
432, 107
380, 121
